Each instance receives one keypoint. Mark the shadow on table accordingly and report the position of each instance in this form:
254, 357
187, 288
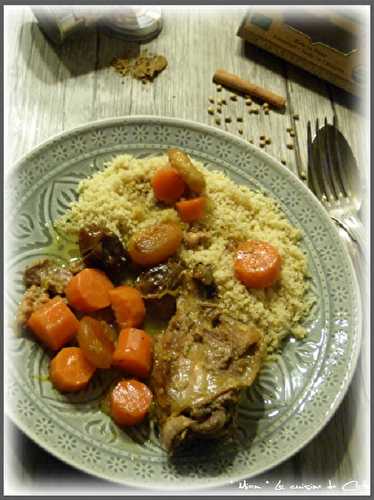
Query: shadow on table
301, 77
90, 51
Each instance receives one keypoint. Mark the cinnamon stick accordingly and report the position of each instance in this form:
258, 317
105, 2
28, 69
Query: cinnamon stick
234, 82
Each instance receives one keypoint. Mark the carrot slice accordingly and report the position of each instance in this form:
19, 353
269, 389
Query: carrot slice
128, 306
53, 323
257, 264
129, 402
191, 210
134, 352
168, 185
88, 291
70, 371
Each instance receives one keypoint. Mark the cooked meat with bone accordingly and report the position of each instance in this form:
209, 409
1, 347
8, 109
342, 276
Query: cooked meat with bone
201, 363
48, 275
34, 297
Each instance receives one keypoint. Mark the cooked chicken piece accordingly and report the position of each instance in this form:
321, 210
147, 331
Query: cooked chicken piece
48, 275
33, 298
201, 363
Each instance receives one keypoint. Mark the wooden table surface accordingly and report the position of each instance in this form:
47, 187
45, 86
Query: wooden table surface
50, 90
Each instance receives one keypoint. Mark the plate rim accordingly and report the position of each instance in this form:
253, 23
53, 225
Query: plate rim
275, 164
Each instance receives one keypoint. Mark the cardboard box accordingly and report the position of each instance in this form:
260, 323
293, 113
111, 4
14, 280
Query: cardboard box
323, 42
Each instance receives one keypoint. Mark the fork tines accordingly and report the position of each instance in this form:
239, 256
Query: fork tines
325, 162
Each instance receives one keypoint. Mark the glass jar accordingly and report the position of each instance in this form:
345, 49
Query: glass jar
137, 24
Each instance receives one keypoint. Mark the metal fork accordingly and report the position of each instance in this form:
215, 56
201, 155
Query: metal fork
335, 179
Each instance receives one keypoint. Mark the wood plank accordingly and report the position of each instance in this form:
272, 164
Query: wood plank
38, 100
309, 99
168, 95
55, 89
354, 123
79, 58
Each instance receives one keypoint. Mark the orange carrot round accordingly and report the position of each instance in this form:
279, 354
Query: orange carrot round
257, 264
129, 402
168, 185
128, 306
191, 210
95, 343
155, 243
53, 323
70, 371
88, 291
134, 352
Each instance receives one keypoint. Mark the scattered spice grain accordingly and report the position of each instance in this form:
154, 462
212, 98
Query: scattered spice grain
218, 121
211, 111
290, 145
144, 67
